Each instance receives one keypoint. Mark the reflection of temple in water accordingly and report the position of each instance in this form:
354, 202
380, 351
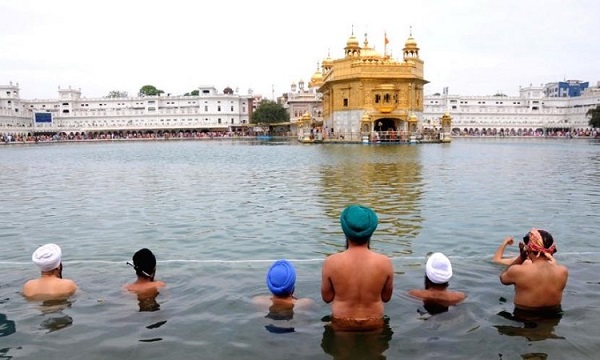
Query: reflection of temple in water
386, 178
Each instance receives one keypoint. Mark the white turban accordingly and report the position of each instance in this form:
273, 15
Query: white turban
47, 257
438, 268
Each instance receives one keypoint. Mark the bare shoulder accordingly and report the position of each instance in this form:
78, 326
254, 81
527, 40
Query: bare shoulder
28, 287
333, 257
69, 286
262, 300
69, 283
385, 261
304, 302
563, 270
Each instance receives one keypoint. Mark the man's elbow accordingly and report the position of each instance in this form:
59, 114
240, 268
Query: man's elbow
386, 295
505, 281
327, 297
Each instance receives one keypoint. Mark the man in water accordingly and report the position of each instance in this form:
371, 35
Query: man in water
144, 264
538, 285
357, 282
281, 281
436, 296
50, 285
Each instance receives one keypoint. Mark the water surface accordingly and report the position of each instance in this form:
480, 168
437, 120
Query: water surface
217, 213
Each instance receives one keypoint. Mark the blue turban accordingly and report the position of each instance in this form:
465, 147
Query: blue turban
281, 278
358, 222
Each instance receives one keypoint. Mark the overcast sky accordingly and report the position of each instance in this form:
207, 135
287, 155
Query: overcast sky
475, 47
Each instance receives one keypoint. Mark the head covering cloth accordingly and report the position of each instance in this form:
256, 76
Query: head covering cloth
281, 278
536, 243
47, 257
438, 268
358, 222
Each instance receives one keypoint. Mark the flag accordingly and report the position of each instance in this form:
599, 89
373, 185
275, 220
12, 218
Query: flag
385, 39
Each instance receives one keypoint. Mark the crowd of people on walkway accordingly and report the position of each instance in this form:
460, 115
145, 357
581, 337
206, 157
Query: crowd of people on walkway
10, 138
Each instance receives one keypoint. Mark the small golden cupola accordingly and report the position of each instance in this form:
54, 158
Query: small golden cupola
411, 50
317, 79
352, 48
368, 53
327, 63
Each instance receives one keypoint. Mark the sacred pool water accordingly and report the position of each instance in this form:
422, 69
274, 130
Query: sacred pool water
217, 213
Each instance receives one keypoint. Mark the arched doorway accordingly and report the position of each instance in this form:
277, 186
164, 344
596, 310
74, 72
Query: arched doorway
384, 124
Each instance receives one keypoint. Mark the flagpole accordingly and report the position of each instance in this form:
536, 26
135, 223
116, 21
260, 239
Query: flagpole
385, 42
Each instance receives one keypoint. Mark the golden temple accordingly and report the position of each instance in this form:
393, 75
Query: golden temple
367, 91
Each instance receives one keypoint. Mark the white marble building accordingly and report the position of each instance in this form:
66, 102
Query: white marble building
70, 112
530, 110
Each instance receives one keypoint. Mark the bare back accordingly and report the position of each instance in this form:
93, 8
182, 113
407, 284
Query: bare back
357, 282
49, 288
537, 284
443, 297
144, 286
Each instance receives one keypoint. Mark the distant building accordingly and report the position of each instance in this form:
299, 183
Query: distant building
301, 100
532, 111
70, 112
569, 88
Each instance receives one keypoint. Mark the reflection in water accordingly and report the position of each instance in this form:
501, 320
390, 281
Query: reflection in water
280, 312
534, 356
385, 178
4, 354
536, 325
434, 308
356, 344
54, 319
7, 327
147, 300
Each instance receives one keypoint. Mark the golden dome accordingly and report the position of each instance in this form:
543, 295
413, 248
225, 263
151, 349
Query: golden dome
369, 53
317, 79
306, 118
352, 41
327, 62
410, 42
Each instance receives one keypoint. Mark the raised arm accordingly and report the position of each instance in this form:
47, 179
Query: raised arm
498, 255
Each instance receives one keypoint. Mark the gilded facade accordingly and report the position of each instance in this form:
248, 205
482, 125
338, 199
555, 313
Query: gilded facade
366, 91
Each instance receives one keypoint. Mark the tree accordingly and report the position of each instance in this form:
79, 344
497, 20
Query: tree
594, 115
269, 112
149, 90
193, 93
117, 94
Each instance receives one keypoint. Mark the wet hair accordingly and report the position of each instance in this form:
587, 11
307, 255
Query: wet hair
547, 239
144, 262
429, 284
